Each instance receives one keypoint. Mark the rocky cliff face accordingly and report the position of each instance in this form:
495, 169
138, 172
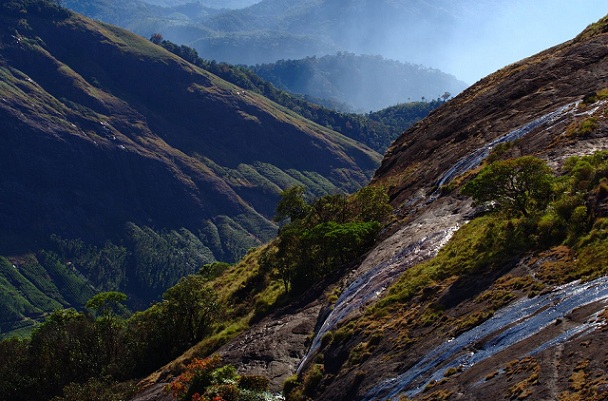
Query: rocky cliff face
498, 104
537, 106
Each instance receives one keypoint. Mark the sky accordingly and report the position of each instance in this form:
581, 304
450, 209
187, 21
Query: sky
500, 32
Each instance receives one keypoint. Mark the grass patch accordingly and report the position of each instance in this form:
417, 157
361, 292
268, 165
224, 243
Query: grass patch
582, 128
594, 29
478, 246
527, 366
248, 293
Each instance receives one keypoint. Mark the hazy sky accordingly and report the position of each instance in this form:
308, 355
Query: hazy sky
469, 38
482, 41
466, 38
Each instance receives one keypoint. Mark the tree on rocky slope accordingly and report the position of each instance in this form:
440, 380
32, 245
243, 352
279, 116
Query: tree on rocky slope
320, 238
517, 186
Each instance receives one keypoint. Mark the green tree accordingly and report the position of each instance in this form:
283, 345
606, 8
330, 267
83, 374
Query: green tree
370, 203
290, 257
64, 349
192, 307
147, 332
338, 243
108, 305
16, 371
292, 205
329, 208
517, 186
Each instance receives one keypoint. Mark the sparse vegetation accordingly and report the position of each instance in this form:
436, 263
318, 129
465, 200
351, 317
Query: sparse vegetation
551, 211
568, 242
582, 128
210, 379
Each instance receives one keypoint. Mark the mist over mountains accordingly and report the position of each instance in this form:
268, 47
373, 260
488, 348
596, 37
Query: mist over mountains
468, 39
472, 266
288, 30
362, 83
219, 4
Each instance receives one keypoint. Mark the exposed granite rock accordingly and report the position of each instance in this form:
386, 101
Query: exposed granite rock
275, 346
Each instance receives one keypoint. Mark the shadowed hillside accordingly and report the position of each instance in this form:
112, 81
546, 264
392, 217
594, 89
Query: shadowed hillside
108, 137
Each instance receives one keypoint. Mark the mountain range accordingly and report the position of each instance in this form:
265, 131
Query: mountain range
362, 83
463, 300
473, 265
116, 144
270, 30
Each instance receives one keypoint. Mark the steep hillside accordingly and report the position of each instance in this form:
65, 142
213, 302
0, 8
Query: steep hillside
489, 283
487, 315
291, 30
498, 104
105, 128
463, 301
363, 82
377, 130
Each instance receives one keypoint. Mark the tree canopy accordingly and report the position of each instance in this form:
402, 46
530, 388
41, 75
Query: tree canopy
517, 186
321, 237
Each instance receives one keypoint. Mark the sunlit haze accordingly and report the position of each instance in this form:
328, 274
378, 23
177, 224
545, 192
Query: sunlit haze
487, 35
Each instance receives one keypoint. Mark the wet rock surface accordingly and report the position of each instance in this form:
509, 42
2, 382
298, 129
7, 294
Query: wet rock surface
536, 366
542, 97
275, 346
496, 105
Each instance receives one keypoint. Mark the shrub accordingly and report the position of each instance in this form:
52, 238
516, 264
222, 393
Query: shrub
196, 378
290, 384
97, 390
254, 382
312, 379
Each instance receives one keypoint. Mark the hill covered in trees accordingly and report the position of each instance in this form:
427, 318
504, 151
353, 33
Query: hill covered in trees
375, 129
290, 31
134, 166
362, 83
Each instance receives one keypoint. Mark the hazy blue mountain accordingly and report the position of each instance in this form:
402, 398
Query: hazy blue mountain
362, 82
219, 4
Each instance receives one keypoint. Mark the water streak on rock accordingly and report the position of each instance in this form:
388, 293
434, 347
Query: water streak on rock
509, 326
475, 158
367, 287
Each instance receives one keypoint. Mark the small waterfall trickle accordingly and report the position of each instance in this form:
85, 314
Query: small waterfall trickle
368, 286
475, 158
507, 327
